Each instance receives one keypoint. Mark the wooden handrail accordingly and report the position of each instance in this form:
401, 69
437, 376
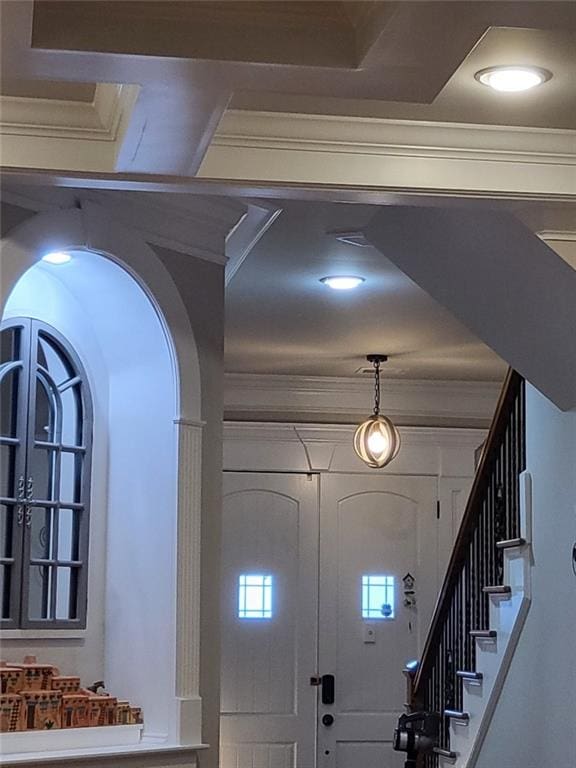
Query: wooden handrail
508, 396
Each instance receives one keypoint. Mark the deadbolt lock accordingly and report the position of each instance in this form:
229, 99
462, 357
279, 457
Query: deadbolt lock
327, 720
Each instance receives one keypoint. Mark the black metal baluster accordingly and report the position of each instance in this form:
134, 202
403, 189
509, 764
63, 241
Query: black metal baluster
492, 514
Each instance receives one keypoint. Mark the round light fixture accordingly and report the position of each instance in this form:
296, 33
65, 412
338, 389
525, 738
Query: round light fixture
57, 257
511, 79
342, 282
376, 440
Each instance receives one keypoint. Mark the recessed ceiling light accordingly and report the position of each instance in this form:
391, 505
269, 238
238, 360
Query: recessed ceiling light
342, 282
57, 257
512, 79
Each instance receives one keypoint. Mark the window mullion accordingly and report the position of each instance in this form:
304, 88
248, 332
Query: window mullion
28, 446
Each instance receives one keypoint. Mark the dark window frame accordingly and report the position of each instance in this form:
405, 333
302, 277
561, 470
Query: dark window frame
24, 499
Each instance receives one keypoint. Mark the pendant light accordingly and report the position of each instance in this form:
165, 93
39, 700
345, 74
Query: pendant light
377, 441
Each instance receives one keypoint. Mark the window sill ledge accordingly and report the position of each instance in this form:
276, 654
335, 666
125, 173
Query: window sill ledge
148, 746
42, 634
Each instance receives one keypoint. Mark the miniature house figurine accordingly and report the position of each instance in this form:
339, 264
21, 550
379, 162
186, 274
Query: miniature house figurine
75, 710
10, 678
408, 583
37, 697
10, 712
36, 677
123, 716
101, 710
66, 683
42, 710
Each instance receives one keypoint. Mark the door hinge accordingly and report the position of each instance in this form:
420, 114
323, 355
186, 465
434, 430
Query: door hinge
437, 509
316, 680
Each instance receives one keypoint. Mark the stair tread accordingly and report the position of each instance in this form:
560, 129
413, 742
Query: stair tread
482, 633
445, 753
497, 589
509, 543
456, 714
469, 674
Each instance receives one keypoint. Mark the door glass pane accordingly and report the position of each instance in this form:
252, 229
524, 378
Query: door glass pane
7, 459
6, 527
8, 402
5, 574
50, 358
71, 415
377, 596
10, 344
45, 414
66, 592
68, 530
39, 588
70, 476
254, 596
41, 532
42, 468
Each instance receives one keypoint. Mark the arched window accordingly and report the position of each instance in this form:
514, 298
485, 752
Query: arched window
45, 445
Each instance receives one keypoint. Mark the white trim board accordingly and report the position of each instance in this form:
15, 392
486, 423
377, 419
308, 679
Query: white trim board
408, 402
283, 447
398, 154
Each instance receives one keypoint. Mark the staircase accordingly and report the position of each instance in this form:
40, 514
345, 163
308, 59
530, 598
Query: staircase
485, 596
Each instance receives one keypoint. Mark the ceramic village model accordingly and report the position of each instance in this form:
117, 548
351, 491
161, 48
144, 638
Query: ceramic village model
37, 697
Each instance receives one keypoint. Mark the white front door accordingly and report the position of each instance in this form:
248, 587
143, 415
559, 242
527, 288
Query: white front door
269, 620
375, 532
313, 574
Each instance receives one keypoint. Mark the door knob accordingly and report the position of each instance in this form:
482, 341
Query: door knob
327, 720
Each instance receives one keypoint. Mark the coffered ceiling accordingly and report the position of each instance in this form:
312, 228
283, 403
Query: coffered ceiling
356, 102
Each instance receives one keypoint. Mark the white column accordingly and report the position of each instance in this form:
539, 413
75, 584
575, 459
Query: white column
188, 580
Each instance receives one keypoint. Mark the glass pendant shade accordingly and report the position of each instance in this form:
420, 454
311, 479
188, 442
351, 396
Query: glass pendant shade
377, 441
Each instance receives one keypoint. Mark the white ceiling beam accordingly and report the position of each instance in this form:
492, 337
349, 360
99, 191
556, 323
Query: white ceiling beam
499, 279
395, 155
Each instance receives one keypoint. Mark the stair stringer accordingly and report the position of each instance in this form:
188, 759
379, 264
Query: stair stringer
493, 657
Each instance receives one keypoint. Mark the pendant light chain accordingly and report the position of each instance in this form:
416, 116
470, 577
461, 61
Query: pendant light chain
376, 387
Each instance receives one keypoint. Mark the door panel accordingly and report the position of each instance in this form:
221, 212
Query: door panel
371, 528
270, 531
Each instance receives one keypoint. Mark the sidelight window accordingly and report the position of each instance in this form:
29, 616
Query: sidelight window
45, 454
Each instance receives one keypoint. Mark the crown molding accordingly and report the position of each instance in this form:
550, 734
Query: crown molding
253, 397
342, 434
399, 154
297, 447
44, 133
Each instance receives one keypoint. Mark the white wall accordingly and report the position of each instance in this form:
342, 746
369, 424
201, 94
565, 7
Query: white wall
131, 612
534, 725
